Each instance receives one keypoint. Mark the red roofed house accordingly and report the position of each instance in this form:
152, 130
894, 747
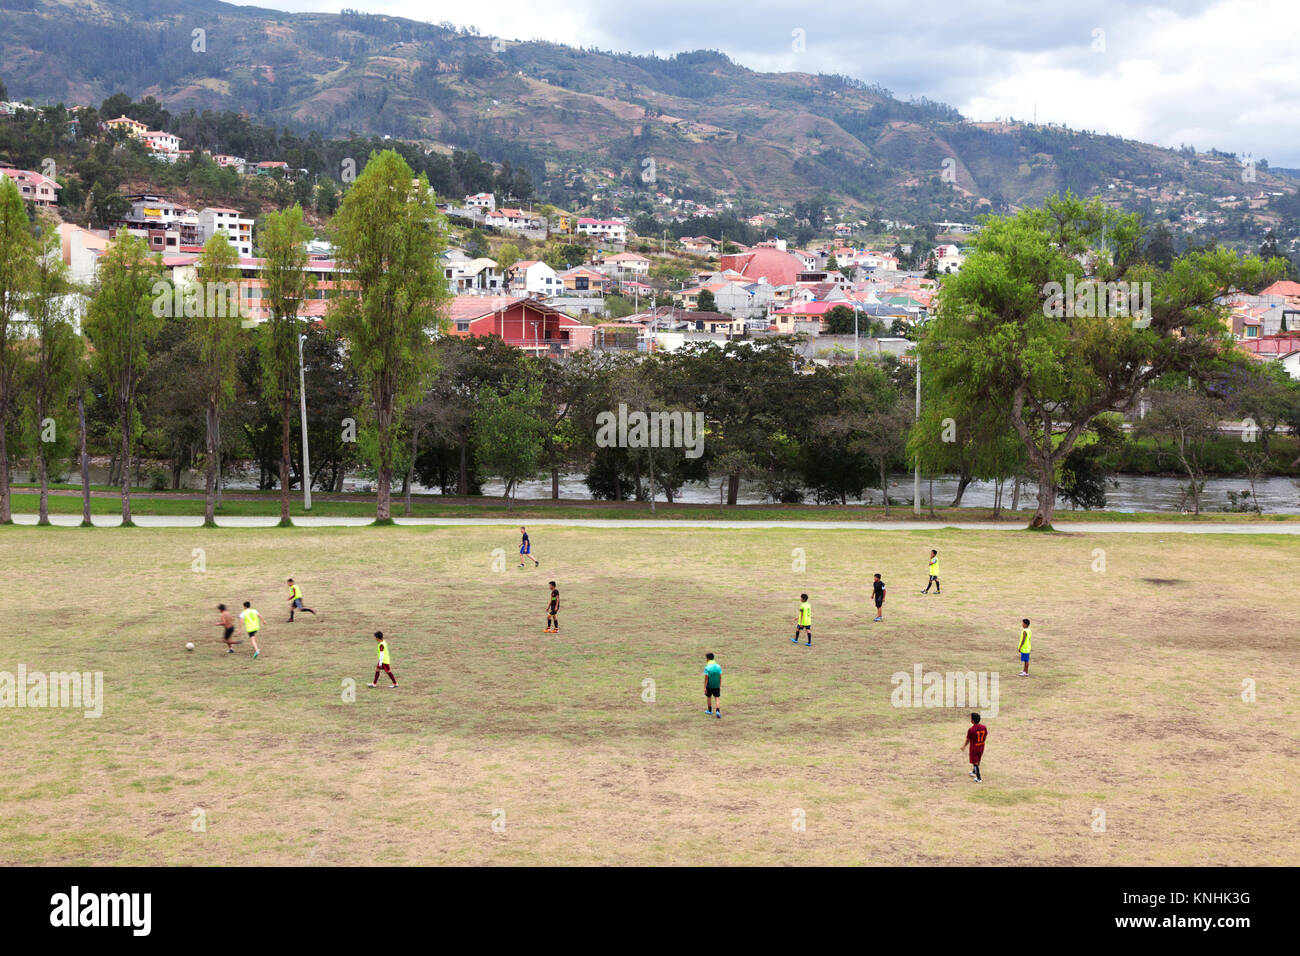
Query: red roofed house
527, 324
777, 266
33, 186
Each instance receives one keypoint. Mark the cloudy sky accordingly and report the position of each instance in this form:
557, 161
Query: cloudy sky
1212, 74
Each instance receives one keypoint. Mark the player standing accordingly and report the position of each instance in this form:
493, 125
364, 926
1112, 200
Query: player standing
1025, 634
526, 549
712, 686
381, 647
227, 624
975, 737
295, 600
878, 596
804, 622
553, 611
934, 573
252, 624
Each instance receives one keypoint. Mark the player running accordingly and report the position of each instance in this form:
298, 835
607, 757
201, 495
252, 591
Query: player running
252, 624
553, 611
975, 737
804, 622
1025, 634
878, 596
381, 648
526, 549
295, 600
712, 686
934, 573
227, 625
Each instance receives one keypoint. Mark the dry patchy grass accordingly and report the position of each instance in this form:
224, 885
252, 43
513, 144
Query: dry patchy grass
1135, 707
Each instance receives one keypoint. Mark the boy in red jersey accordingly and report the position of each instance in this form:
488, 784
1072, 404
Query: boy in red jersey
975, 738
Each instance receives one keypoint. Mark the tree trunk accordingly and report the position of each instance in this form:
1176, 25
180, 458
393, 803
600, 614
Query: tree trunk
884, 486
284, 460
652, 483
85, 462
733, 487
384, 493
126, 464
210, 469
462, 476
555, 483
6, 515
931, 496
1046, 496
962, 481
1015, 494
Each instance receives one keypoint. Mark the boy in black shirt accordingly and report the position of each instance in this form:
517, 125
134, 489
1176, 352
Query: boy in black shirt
878, 595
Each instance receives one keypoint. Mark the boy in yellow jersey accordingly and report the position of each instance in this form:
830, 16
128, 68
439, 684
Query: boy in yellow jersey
295, 601
804, 622
1025, 634
934, 573
381, 647
252, 624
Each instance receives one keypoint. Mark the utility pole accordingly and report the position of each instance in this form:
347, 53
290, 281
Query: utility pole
856, 353
302, 405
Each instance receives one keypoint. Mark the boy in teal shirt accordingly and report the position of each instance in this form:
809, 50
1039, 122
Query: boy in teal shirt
712, 686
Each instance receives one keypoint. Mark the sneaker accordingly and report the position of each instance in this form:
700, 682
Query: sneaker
537, 564
718, 715
809, 644
372, 685
392, 687
794, 640
1023, 674
979, 779
709, 712
972, 775
230, 650
877, 620
256, 654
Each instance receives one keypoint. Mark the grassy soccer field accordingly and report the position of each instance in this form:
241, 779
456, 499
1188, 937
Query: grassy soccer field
1135, 708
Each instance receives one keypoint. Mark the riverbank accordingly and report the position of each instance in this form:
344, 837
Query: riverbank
105, 502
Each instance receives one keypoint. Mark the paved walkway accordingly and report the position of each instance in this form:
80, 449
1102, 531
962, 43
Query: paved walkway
1138, 527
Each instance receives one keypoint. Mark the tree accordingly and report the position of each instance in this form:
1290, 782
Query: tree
841, 320
390, 236
1188, 419
17, 253
705, 302
283, 243
1005, 333
216, 330
508, 434
120, 322
55, 350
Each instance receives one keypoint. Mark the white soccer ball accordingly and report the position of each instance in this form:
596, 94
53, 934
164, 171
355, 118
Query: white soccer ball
189, 646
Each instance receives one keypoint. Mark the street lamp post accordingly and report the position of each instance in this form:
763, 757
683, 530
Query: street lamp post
302, 405
855, 332
916, 479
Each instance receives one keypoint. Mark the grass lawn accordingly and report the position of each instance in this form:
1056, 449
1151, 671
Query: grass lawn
1135, 709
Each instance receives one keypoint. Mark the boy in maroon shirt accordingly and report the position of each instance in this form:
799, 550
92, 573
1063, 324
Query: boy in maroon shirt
975, 737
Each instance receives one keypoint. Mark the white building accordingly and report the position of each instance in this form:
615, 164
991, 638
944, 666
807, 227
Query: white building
237, 229
534, 277
609, 229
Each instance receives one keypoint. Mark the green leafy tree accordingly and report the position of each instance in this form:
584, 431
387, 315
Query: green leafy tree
283, 243
121, 321
17, 253
390, 235
53, 353
216, 332
508, 434
705, 302
1003, 332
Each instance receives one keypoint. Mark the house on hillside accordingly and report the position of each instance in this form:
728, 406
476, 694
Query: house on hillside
534, 277
33, 186
527, 324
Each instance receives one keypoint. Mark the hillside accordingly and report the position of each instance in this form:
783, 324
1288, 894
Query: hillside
582, 119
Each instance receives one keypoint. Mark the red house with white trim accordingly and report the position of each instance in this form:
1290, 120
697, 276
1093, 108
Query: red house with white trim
526, 323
